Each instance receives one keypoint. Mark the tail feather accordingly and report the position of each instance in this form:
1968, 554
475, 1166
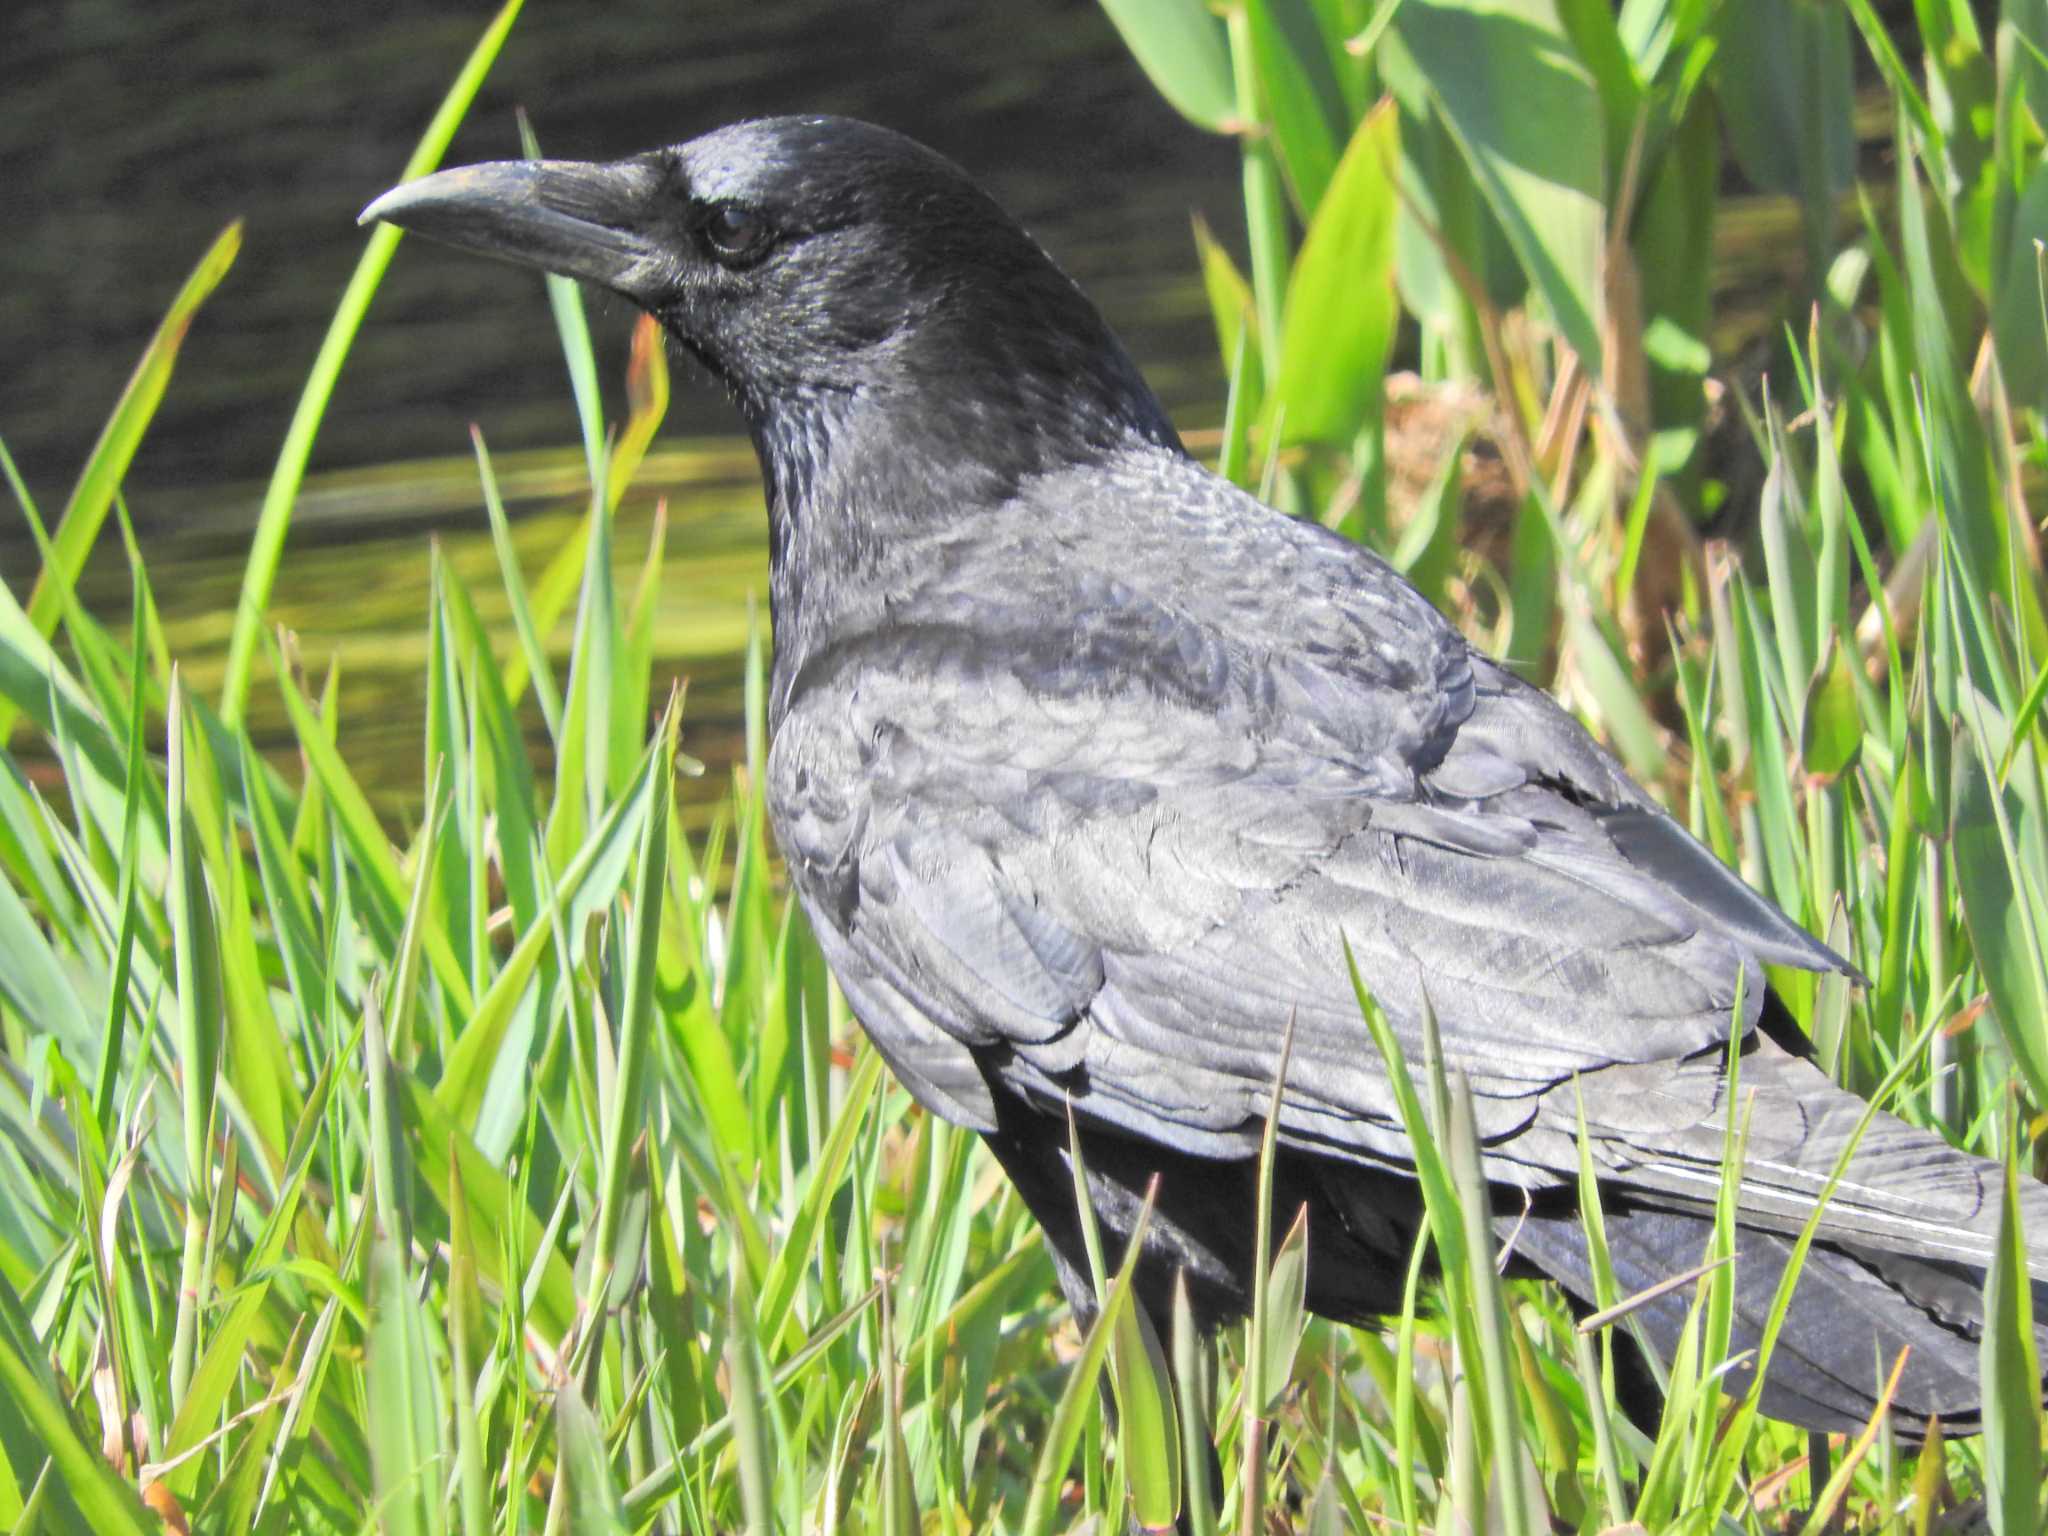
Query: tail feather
1660, 1130
1896, 1267
1854, 1312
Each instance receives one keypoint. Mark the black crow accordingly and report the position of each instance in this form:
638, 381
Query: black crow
1084, 761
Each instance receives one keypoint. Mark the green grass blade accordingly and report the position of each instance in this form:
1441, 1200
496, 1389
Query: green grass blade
622, 1116
106, 1501
785, 1268
108, 462
199, 1011
406, 1418
2011, 1375
369, 848
1063, 1433
1195, 1447
566, 300
585, 1468
530, 646
266, 547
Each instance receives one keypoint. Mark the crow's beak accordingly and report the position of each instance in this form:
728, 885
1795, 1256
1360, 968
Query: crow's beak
564, 216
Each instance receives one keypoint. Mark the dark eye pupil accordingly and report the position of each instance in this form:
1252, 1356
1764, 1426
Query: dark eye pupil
733, 230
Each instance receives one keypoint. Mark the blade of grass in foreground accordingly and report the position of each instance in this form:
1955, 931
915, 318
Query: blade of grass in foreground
198, 1012
405, 1404
1251, 1479
102, 1495
1148, 1443
266, 549
622, 1116
122, 435
1063, 1434
2011, 1376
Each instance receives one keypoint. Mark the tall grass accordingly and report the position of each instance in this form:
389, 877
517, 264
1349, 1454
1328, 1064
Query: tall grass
521, 1169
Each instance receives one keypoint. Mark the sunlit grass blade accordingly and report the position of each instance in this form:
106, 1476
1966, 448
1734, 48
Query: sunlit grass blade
1824, 1516
586, 886
266, 547
584, 1489
779, 1289
749, 1412
2010, 1371
1489, 1306
199, 1019
1148, 1439
1198, 1452
369, 848
566, 300
1063, 1433
407, 1416
108, 462
531, 651
637, 1022
107, 1502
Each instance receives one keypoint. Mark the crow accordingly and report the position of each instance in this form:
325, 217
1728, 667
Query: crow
1086, 765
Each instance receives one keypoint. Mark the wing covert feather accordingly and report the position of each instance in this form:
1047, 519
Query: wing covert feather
1110, 859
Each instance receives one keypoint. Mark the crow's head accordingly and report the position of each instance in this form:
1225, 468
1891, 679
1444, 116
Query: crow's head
813, 262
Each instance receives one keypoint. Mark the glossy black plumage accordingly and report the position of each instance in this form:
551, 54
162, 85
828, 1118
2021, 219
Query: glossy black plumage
1083, 760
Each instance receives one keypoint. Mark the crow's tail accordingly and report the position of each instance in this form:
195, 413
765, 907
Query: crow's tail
1853, 1312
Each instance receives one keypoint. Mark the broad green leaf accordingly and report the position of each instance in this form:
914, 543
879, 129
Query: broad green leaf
1181, 45
1786, 93
583, 1471
2016, 313
33, 980
1597, 40
2004, 902
1299, 95
1148, 1434
1341, 308
1524, 111
1191, 1355
1830, 724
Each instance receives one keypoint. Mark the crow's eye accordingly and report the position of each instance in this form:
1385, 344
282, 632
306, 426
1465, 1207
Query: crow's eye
734, 233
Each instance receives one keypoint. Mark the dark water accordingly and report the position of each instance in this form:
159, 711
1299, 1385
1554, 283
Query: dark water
133, 132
